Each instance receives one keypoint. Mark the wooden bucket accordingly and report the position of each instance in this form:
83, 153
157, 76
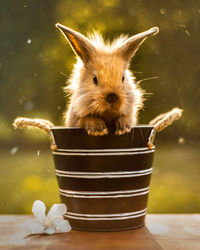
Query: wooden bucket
104, 181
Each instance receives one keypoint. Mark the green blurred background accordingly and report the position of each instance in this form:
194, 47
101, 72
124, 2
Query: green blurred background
35, 62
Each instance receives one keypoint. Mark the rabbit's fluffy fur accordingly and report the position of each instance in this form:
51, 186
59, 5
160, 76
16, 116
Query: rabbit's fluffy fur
103, 90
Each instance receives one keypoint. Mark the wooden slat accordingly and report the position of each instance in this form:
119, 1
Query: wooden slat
171, 232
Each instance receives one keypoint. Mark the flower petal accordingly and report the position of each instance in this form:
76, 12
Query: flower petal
49, 230
39, 210
62, 225
35, 227
56, 210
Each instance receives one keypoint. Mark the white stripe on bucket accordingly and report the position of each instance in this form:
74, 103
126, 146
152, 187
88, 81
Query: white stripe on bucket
113, 218
103, 173
104, 196
104, 150
104, 176
106, 215
103, 193
103, 154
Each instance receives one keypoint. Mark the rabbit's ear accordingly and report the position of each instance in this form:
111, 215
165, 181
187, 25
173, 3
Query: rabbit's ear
131, 45
80, 44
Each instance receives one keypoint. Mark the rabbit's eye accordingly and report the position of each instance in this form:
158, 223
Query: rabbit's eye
95, 80
123, 78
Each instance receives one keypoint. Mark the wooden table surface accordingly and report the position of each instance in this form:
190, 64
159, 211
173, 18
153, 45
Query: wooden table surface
164, 231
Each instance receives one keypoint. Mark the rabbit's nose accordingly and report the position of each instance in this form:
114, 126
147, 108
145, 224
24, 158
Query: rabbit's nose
111, 98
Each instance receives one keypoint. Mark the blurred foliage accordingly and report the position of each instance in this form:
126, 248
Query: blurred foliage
175, 181
30, 176
36, 61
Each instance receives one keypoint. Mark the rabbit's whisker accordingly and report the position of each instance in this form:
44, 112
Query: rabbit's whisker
62, 73
147, 79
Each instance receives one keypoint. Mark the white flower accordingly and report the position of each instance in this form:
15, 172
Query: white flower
49, 223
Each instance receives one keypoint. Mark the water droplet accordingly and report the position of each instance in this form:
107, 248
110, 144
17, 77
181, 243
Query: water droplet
29, 41
29, 106
14, 150
20, 101
181, 141
182, 25
163, 11
179, 12
187, 32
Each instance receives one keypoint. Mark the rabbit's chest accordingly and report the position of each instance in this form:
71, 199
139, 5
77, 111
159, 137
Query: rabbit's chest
110, 117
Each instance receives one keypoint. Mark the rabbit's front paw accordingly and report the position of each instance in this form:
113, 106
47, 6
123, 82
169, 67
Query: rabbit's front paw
95, 126
123, 125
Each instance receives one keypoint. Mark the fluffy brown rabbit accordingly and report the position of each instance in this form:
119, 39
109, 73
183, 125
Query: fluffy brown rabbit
103, 90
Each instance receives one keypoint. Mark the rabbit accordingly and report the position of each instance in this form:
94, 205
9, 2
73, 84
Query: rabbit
103, 90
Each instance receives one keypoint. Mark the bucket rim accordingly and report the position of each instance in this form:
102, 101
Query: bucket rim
77, 128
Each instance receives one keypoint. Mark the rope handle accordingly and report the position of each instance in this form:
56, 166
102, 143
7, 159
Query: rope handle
45, 125
162, 121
